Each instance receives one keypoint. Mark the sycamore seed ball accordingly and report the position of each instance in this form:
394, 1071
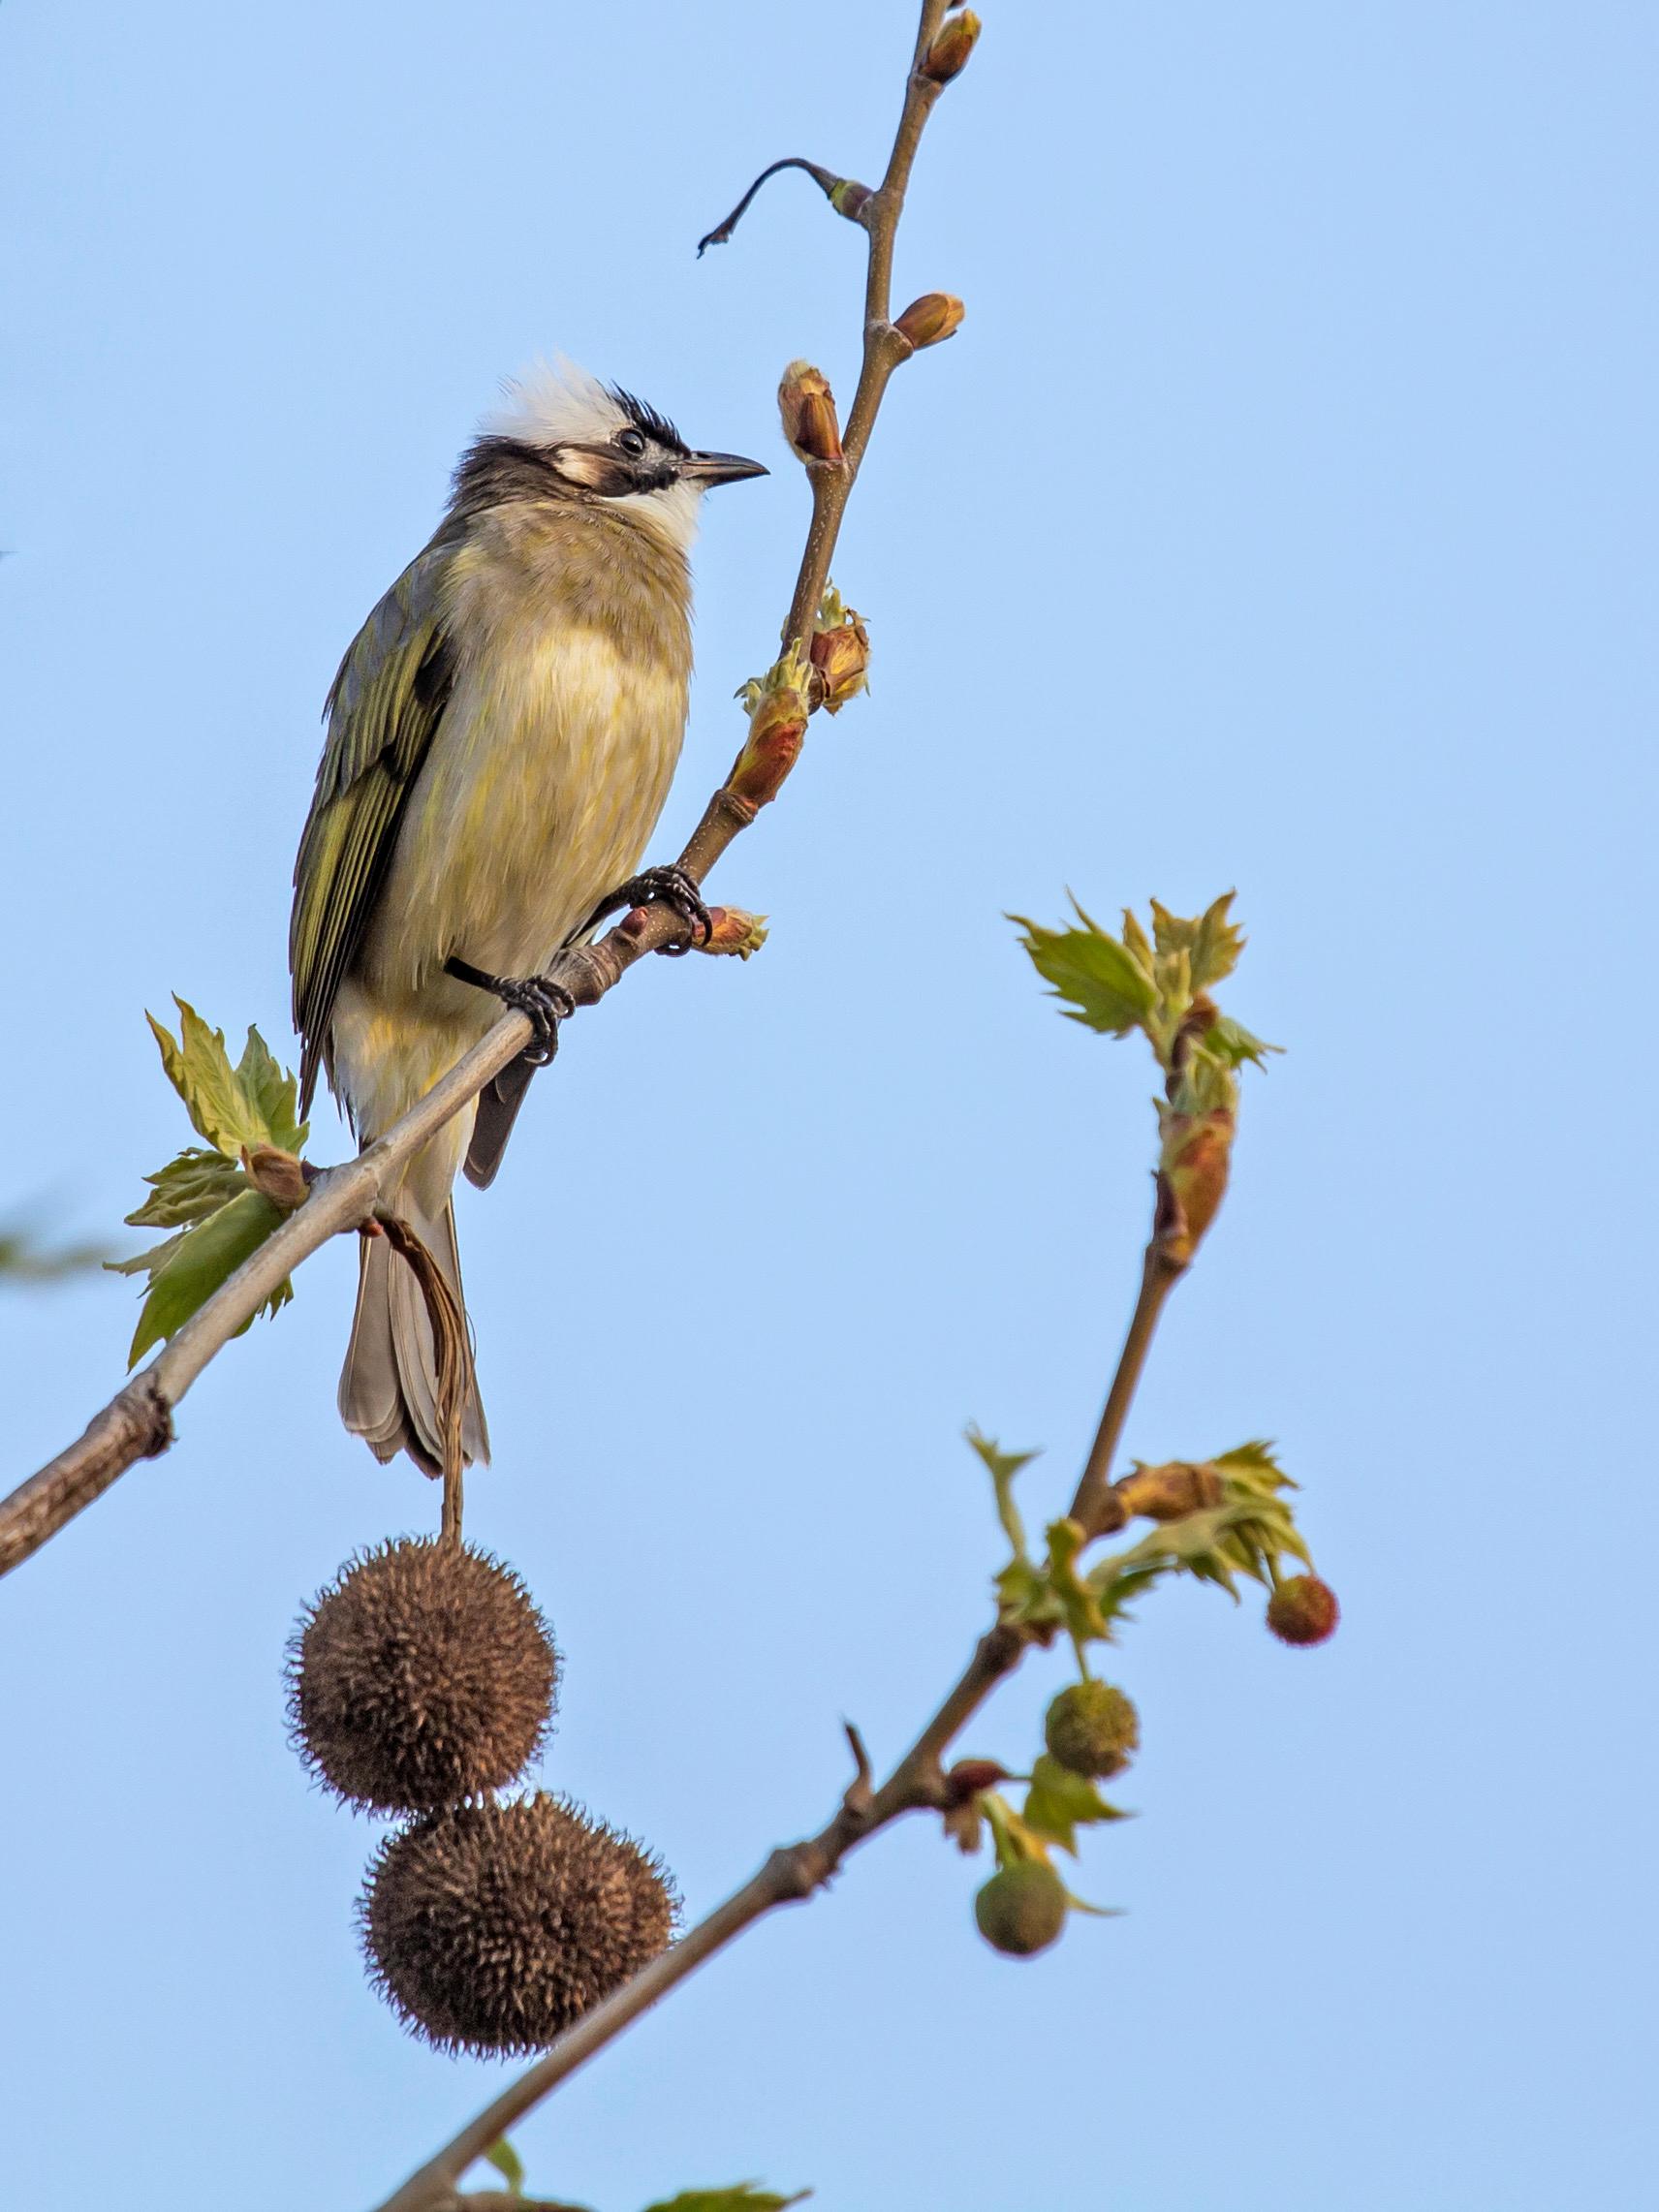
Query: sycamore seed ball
423, 1676
1021, 1909
492, 1927
1092, 1728
1304, 1610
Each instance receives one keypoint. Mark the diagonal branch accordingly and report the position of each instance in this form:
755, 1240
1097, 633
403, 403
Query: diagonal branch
138, 1422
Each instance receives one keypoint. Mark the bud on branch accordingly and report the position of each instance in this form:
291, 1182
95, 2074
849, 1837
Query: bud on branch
807, 406
948, 56
777, 706
732, 930
840, 653
930, 319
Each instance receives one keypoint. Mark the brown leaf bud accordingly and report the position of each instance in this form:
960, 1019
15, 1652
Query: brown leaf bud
930, 319
969, 1776
278, 1175
840, 653
1304, 1610
732, 930
807, 406
1168, 1492
778, 705
1192, 1178
948, 56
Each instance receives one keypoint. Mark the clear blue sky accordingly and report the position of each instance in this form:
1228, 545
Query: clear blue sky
1282, 517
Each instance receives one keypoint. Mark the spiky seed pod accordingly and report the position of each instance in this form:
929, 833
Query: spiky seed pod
491, 1928
1304, 1610
422, 1675
1021, 1909
1092, 1728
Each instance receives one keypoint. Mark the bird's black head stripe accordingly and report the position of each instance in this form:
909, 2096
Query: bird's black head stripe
646, 419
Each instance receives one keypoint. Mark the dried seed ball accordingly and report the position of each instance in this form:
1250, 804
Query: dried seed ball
1092, 1728
492, 1927
422, 1677
1021, 1909
1304, 1610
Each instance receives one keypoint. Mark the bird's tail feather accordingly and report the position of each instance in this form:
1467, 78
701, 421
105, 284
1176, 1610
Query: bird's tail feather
388, 1385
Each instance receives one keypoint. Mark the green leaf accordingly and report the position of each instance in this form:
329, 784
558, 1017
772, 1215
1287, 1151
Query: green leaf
1231, 1044
186, 1191
507, 2164
1023, 1594
1210, 941
250, 1104
1086, 1623
744, 2196
1060, 1803
198, 1261
274, 1094
1004, 1466
1108, 987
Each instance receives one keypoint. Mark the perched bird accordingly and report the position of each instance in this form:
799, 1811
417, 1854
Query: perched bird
501, 737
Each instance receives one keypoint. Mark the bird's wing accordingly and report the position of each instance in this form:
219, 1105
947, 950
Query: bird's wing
384, 707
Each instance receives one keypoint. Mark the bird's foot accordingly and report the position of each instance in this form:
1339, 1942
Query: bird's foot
546, 1003
659, 887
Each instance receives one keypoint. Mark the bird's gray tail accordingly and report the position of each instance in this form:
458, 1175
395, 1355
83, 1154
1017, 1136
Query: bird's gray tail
388, 1385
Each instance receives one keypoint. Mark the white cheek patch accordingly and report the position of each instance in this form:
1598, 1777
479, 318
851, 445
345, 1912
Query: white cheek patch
594, 472
672, 513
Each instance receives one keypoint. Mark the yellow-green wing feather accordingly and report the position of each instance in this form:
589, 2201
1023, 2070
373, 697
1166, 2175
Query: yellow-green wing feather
383, 710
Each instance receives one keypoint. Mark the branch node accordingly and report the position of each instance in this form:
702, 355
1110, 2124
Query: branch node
861, 1790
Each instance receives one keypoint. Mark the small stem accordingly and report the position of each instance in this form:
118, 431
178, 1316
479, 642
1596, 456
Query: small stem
1159, 1275
826, 180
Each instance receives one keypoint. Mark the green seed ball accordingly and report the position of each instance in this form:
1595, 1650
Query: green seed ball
1092, 1728
422, 1677
1021, 1909
1304, 1610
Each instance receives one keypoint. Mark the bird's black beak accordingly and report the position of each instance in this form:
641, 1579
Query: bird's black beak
710, 469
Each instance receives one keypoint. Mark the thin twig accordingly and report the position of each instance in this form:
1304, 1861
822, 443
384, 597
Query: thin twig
1093, 1503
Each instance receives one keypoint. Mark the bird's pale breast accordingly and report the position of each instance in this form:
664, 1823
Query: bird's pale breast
543, 783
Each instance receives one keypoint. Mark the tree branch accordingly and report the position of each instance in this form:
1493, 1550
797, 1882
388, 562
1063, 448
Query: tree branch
791, 1872
1096, 1504
138, 1422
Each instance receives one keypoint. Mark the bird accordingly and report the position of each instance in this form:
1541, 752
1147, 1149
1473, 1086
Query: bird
499, 743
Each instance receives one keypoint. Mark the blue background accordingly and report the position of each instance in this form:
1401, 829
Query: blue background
1282, 516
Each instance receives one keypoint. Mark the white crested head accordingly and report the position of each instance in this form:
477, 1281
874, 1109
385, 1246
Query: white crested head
555, 403
602, 443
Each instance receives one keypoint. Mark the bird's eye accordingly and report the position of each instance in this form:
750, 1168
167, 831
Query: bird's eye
631, 441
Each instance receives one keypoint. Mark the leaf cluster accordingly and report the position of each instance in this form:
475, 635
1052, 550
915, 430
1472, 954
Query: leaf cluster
204, 1195
1159, 984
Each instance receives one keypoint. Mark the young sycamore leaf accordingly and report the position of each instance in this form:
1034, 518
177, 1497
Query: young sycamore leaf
251, 1103
507, 2164
1211, 942
1004, 1466
1060, 1803
198, 1261
744, 2197
1108, 986
204, 1193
